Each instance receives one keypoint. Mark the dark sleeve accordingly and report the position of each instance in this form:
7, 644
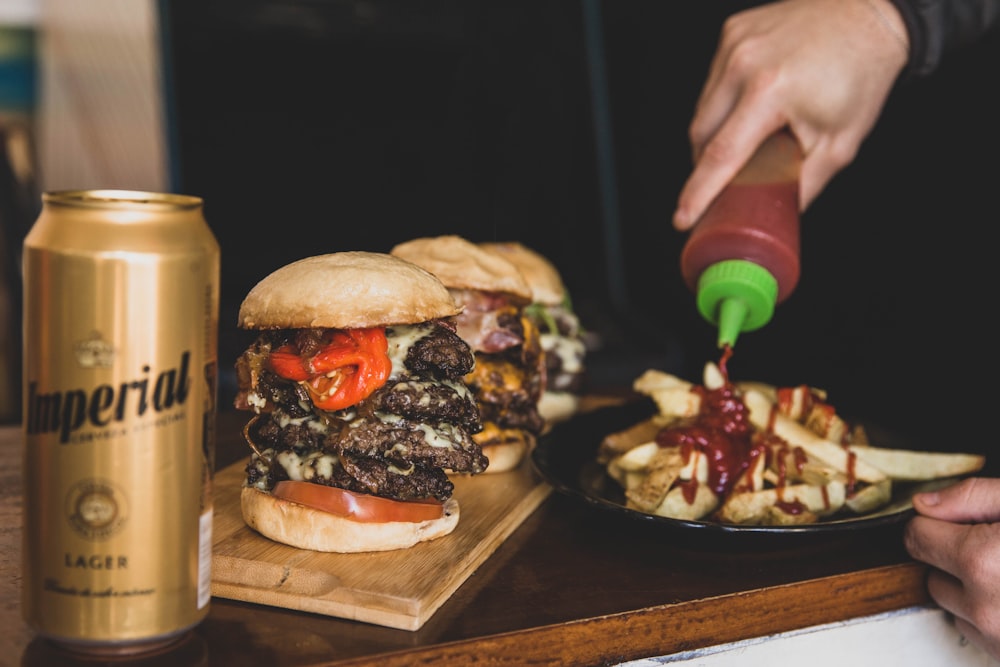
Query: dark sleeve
939, 26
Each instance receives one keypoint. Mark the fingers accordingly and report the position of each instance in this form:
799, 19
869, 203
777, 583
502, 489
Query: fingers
949, 594
947, 591
731, 120
962, 542
747, 125
971, 634
976, 618
968, 558
969, 552
933, 542
716, 100
976, 499
721, 159
964, 579
724, 85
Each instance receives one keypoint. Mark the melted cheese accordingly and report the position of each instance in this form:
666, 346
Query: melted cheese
312, 465
441, 435
388, 418
284, 420
256, 401
399, 471
493, 374
421, 388
459, 388
400, 339
569, 350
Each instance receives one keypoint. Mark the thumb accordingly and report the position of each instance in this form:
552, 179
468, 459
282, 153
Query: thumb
973, 500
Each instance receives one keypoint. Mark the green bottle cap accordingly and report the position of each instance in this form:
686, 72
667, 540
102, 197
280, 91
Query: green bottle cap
736, 295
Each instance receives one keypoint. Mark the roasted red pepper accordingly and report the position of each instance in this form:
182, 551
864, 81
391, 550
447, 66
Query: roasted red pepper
343, 372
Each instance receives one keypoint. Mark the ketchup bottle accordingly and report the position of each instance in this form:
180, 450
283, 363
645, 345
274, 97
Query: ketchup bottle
742, 257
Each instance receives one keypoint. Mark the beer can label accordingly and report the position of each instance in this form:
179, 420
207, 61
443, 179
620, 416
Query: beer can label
120, 361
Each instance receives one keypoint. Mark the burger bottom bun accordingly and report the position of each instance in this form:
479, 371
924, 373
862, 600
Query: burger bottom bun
557, 406
505, 449
308, 528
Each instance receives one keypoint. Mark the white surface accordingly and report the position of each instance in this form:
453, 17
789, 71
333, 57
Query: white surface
913, 637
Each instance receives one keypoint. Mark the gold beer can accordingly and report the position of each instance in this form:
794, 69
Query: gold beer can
121, 303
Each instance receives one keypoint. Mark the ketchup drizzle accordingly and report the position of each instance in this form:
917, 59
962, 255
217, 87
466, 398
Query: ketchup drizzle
721, 431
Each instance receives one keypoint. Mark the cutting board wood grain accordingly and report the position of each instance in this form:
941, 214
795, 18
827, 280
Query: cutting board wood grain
398, 589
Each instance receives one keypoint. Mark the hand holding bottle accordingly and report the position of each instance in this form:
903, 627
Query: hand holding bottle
823, 68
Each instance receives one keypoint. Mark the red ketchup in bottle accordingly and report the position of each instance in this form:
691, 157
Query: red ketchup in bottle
742, 257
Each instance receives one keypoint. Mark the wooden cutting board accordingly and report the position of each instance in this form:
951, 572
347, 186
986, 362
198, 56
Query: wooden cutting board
399, 589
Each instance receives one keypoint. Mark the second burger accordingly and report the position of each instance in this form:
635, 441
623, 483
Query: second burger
508, 378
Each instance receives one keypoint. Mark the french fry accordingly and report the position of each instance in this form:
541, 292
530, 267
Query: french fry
776, 516
769, 390
787, 468
638, 457
615, 444
911, 466
794, 404
672, 395
628, 479
630, 469
677, 401
647, 472
696, 467
753, 506
823, 421
676, 506
662, 471
712, 377
870, 498
654, 380
753, 477
858, 436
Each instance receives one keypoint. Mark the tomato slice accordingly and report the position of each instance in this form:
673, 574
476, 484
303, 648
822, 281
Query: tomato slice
358, 506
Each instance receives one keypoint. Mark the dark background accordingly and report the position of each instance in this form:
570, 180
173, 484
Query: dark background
319, 126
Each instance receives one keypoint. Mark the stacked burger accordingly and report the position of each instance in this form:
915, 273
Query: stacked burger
560, 333
507, 381
356, 382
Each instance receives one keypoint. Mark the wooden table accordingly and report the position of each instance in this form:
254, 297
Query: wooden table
571, 586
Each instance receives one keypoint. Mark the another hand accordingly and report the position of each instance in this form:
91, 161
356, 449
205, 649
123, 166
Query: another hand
957, 532
824, 68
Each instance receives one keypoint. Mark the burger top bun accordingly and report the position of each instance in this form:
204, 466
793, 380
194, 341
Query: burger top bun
541, 275
346, 290
461, 264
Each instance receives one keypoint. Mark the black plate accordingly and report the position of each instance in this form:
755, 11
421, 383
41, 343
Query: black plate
566, 459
